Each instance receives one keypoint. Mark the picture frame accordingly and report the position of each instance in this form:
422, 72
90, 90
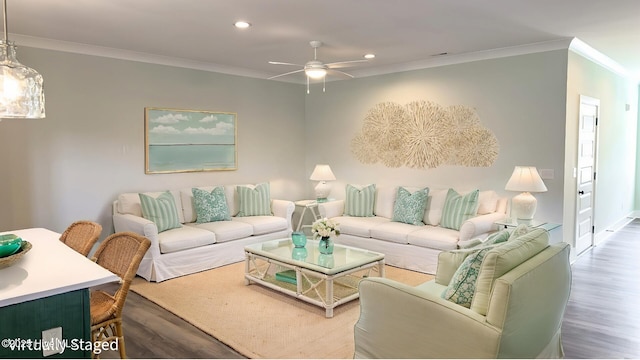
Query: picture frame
178, 141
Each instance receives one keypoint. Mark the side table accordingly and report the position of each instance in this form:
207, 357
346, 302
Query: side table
310, 206
555, 233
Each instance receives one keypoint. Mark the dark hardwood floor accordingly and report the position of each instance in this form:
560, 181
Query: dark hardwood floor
602, 319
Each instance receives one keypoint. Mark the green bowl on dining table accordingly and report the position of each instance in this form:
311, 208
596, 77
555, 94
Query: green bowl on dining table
9, 244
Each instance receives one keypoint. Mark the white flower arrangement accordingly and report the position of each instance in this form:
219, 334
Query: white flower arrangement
325, 228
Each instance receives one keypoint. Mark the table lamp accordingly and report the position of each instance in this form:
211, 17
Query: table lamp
527, 180
322, 173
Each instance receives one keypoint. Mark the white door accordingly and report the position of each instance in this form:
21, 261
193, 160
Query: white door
586, 172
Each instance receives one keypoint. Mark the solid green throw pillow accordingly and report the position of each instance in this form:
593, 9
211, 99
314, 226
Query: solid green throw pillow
458, 208
409, 208
497, 237
359, 202
210, 206
254, 202
161, 210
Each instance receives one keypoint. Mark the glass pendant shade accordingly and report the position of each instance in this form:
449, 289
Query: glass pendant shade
21, 88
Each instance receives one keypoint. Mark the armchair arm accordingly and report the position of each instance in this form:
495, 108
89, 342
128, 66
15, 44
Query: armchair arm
399, 321
479, 225
331, 209
139, 225
283, 209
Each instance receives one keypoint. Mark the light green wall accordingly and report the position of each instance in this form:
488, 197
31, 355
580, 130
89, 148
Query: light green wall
90, 147
617, 141
521, 99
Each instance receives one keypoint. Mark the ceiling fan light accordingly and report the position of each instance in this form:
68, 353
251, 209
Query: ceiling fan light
241, 24
316, 73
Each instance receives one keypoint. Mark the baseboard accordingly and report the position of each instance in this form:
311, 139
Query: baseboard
604, 235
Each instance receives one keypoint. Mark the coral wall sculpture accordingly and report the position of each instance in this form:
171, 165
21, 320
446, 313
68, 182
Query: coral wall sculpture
423, 134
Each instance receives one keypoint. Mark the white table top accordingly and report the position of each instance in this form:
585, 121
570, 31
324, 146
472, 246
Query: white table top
49, 268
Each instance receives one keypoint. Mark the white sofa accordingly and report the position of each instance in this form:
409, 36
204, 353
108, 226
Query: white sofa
411, 246
196, 247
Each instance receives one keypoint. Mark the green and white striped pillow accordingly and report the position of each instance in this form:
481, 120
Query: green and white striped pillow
359, 202
458, 208
256, 201
161, 210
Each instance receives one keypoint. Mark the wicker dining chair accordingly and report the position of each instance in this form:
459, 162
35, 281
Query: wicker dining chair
81, 236
121, 254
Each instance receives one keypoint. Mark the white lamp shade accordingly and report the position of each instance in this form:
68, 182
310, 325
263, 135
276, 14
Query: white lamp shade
525, 178
322, 172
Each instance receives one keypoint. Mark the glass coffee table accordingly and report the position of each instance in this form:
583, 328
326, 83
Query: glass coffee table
323, 280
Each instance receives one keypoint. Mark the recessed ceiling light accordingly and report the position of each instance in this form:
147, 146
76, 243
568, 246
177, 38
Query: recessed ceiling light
369, 56
241, 24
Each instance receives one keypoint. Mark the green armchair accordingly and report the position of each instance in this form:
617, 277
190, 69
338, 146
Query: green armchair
521, 293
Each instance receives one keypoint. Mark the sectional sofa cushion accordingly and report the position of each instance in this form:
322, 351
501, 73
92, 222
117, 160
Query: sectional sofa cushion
225, 230
161, 210
393, 231
186, 237
359, 201
359, 226
210, 206
434, 237
458, 208
409, 207
263, 224
254, 201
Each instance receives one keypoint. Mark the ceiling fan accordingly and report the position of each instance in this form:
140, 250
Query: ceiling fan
316, 69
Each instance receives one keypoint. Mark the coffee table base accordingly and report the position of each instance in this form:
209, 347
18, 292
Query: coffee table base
338, 288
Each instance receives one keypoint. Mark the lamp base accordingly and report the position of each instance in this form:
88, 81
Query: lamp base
322, 191
523, 207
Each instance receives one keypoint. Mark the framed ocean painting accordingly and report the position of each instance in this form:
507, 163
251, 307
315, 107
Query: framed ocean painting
189, 141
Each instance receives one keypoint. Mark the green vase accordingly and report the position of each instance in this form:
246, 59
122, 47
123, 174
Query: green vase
325, 246
299, 239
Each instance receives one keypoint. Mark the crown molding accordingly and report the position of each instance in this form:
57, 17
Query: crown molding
573, 44
581, 48
101, 51
468, 57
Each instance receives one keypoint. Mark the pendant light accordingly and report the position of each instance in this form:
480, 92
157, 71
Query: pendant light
21, 92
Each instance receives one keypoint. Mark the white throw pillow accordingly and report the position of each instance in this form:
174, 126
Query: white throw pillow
435, 204
487, 202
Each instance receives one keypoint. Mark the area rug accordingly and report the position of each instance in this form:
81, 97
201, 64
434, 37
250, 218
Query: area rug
259, 322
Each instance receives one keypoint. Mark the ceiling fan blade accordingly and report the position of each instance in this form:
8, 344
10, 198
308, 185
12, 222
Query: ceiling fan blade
283, 63
340, 64
341, 72
289, 73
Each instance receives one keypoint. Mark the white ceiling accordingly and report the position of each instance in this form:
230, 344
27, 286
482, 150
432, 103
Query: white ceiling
403, 34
